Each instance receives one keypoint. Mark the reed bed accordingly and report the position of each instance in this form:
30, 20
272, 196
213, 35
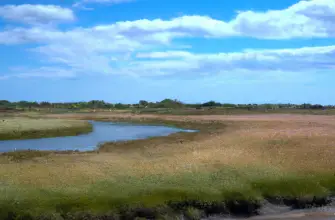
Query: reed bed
245, 159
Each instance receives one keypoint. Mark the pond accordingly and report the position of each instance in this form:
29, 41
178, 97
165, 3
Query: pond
102, 132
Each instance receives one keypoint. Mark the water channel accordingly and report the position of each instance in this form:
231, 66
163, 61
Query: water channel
102, 132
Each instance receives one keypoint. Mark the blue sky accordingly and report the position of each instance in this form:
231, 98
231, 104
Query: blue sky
125, 50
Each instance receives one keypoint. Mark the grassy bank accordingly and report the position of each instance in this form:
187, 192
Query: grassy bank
227, 191
229, 167
26, 128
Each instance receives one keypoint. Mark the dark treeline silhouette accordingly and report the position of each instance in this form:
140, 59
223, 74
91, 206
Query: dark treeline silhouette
166, 103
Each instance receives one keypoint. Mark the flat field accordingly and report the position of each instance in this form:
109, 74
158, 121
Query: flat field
245, 158
230, 111
25, 128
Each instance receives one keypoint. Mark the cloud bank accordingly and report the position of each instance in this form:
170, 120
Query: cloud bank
36, 14
146, 47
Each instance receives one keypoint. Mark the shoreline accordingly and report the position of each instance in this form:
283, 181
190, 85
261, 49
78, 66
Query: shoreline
298, 192
32, 152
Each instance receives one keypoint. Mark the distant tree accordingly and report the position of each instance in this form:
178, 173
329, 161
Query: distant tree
317, 106
45, 104
4, 102
169, 103
211, 104
166, 103
143, 103
6, 105
121, 106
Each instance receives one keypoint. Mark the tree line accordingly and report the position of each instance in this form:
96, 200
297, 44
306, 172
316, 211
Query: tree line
166, 103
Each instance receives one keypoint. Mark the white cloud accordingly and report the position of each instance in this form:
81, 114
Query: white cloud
77, 58
165, 54
275, 63
313, 18
36, 14
122, 47
284, 60
29, 35
303, 20
183, 63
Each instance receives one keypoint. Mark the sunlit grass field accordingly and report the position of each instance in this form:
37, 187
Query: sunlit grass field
24, 128
230, 158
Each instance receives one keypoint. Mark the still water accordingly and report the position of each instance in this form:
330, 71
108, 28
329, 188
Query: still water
102, 132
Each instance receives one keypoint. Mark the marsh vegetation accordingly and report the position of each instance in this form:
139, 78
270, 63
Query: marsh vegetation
229, 167
26, 128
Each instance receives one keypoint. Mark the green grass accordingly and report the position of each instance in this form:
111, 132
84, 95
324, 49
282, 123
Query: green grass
230, 111
224, 185
25, 128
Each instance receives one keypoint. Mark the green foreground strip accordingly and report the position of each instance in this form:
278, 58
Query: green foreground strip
26, 128
229, 190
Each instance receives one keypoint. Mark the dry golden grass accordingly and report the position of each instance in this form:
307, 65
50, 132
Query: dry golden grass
279, 142
255, 156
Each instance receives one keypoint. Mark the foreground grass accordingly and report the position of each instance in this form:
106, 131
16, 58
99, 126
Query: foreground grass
25, 128
226, 161
185, 190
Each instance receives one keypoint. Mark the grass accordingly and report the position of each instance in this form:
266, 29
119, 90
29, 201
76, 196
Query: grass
230, 111
229, 159
25, 155
183, 111
27, 128
224, 185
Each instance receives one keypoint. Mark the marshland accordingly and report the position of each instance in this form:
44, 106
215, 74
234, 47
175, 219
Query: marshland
229, 167
27, 128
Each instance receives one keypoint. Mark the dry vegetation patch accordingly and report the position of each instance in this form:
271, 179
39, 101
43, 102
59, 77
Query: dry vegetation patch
284, 142
253, 155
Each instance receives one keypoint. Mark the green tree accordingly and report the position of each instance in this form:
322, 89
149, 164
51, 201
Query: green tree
143, 103
211, 104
